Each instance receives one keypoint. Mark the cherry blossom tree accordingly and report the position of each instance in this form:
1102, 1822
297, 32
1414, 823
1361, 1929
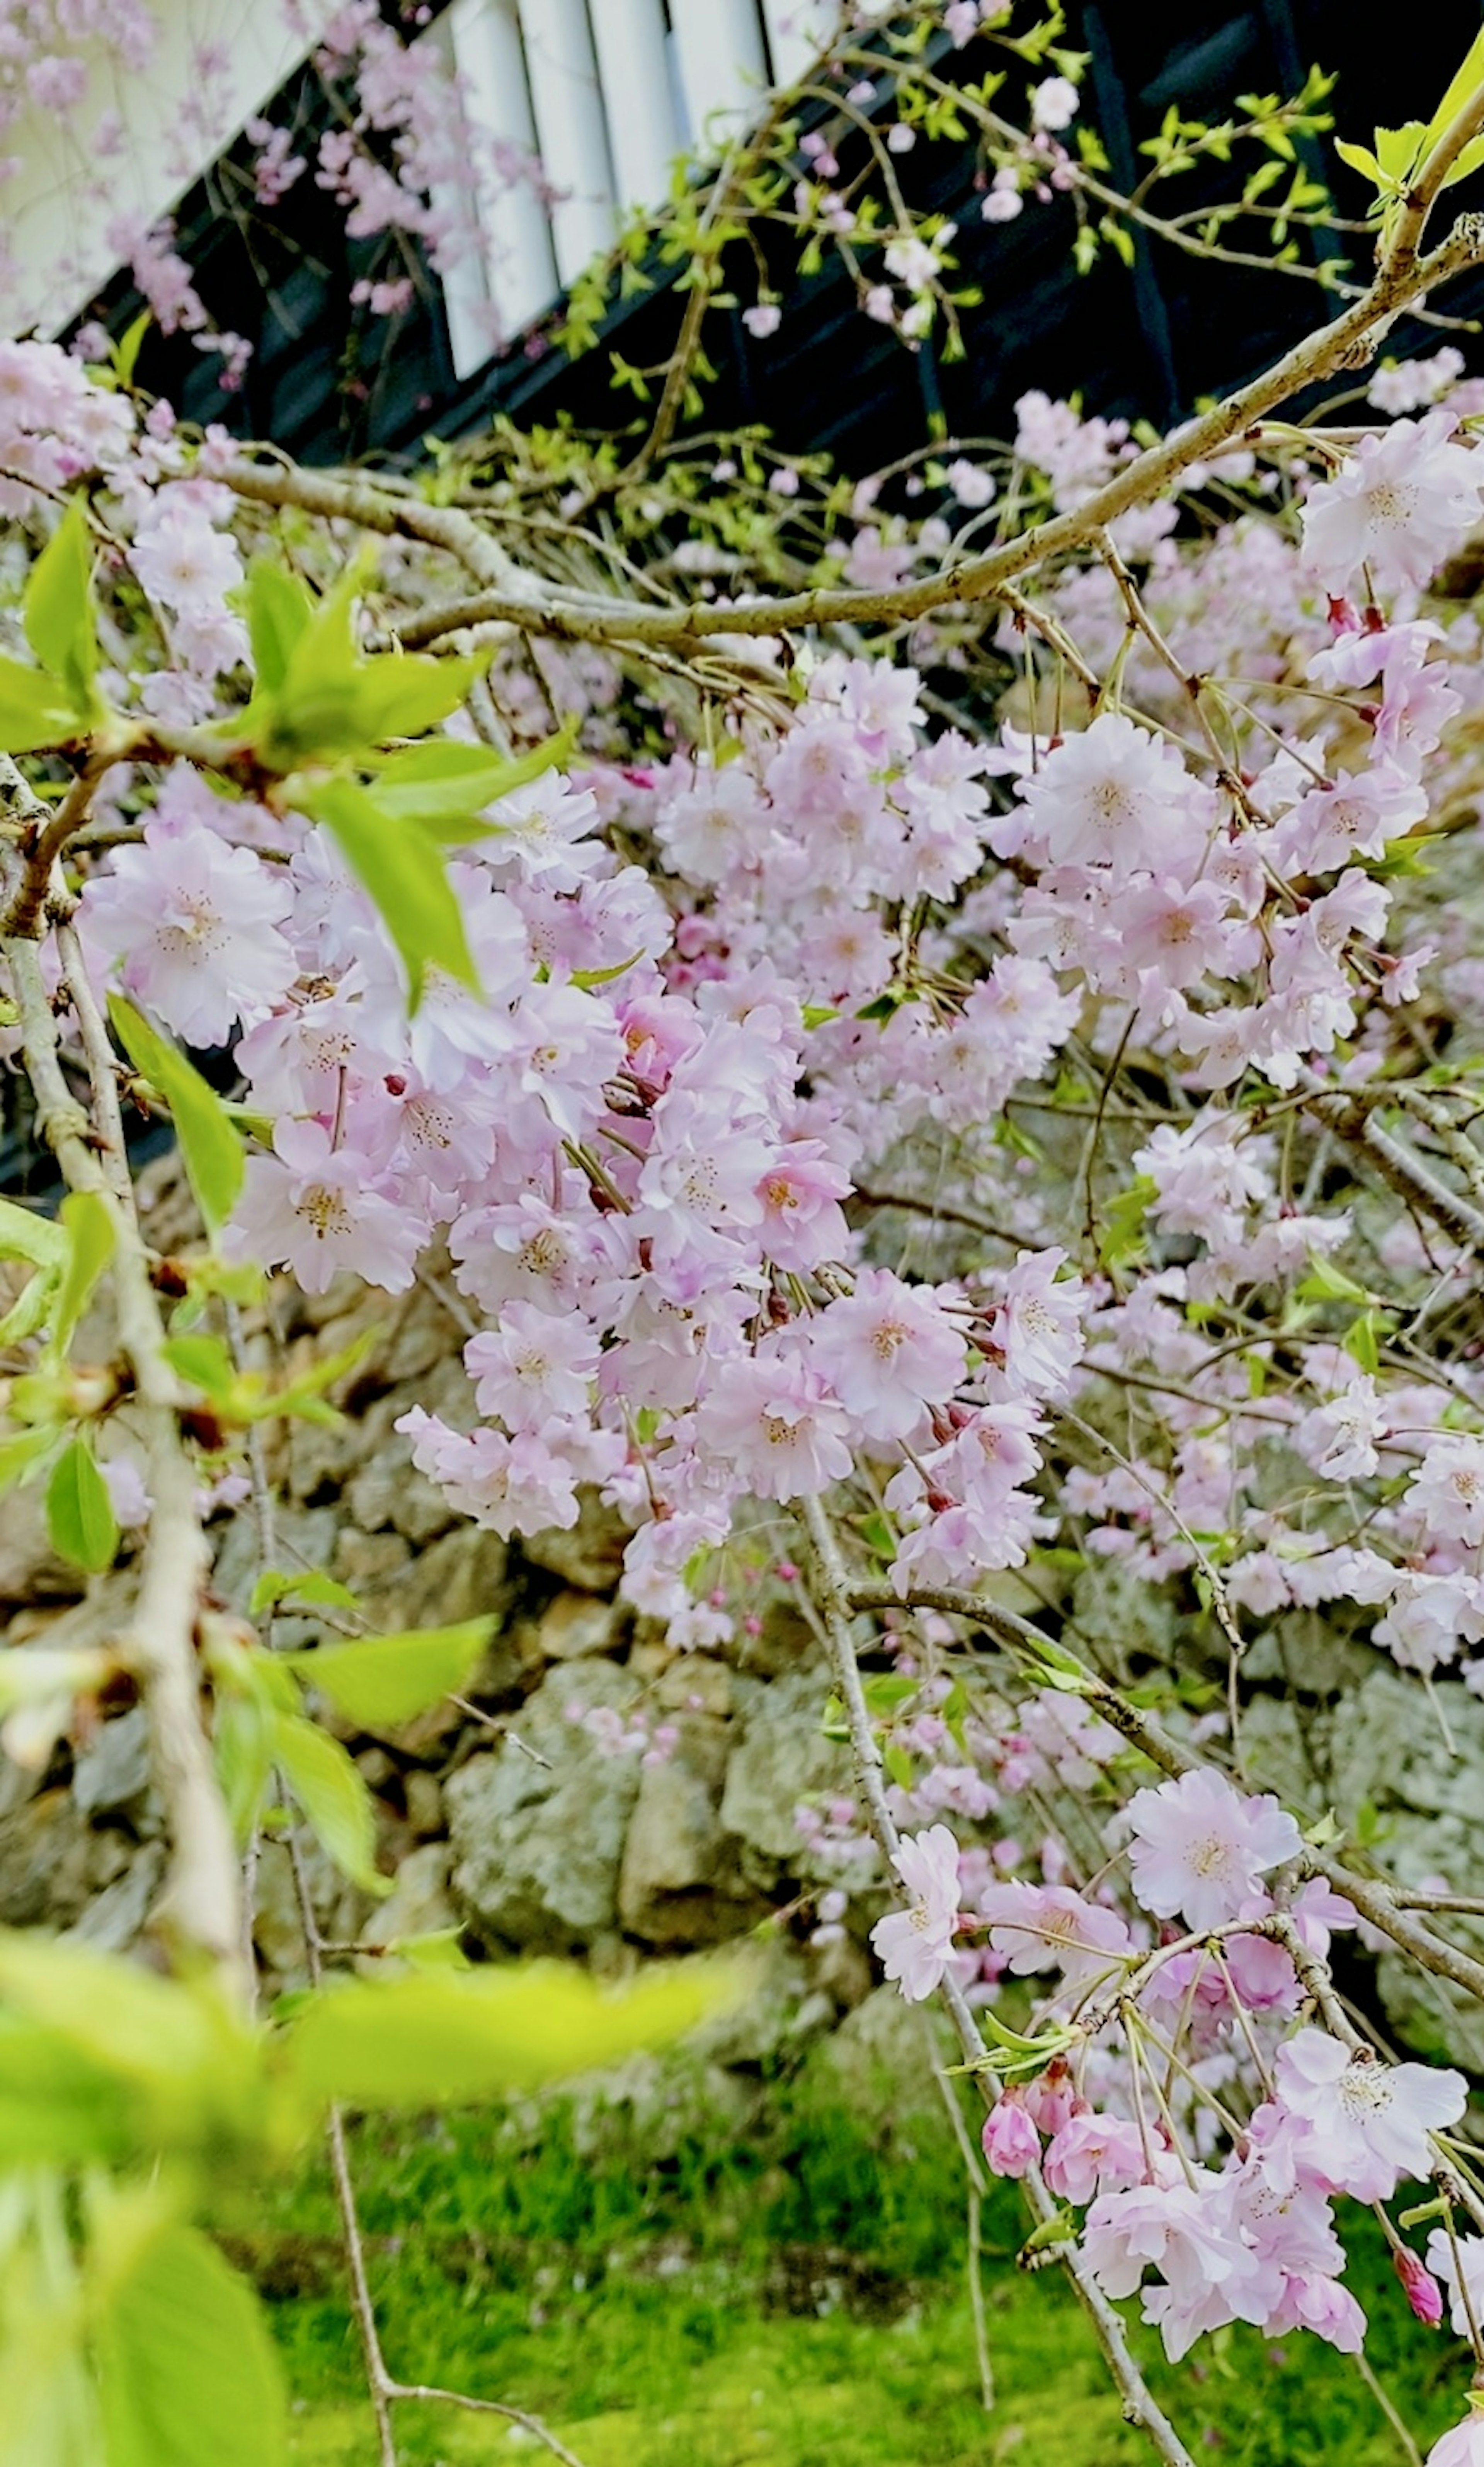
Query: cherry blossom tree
942, 1039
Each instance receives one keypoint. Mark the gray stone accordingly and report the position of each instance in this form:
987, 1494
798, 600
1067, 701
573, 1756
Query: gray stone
459, 1577
694, 1684
1388, 1746
781, 1758
417, 1905
114, 1919
589, 1554
339, 1908
781, 2007
879, 2064
390, 1490
680, 1883
112, 1772
576, 1625
43, 1862
537, 1845
424, 1801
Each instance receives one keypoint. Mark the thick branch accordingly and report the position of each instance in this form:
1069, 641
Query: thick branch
201, 1901
1341, 344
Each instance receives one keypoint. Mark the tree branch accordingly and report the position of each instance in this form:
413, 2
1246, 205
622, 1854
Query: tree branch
201, 1904
835, 1603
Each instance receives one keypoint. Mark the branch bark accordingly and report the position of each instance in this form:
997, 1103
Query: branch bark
201, 1903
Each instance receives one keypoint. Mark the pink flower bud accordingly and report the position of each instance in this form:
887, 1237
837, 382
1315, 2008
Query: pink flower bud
1421, 2289
1009, 2139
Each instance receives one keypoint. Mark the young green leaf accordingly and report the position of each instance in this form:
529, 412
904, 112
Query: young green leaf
439, 2037
243, 1739
278, 610
324, 1780
382, 1681
31, 1674
35, 711
186, 2369
300, 1586
78, 1512
26, 1236
210, 1147
58, 609
403, 871
89, 1228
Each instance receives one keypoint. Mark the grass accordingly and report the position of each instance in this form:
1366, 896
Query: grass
792, 2296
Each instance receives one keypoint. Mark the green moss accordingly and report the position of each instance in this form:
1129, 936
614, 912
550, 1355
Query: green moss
793, 2298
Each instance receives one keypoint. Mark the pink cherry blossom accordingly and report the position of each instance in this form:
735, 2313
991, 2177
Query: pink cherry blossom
1200, 1848
1363, 2126
776, 1423
916, 1946
1463, 2445
1401, 503
532, 1367
1114, 796
321, 1210
193, 925
887, 1350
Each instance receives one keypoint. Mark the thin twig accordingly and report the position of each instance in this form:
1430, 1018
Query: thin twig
833, 1595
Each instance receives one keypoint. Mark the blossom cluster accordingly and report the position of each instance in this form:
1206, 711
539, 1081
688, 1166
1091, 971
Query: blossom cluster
761, 1027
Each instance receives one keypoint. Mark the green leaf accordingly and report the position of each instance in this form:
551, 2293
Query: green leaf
1468, 161
242, 1738
1398, 150
1470, 75
1360, 1341
90, 1231
402, 695
26, 1236
402, 868
210, 1147
57, 608
1361, 159
21, 1456
302, 1585
444, 786
382, 1681
34, 712
78, 1515
126, 351
324, 1780
1327, 1284
440, 2038
204, 1361
279, 611
187, 2371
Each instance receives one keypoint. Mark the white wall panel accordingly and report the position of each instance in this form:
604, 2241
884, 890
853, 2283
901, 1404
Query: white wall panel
723, 66
633, 64
572, 131
797, 31
61, 201
487, 302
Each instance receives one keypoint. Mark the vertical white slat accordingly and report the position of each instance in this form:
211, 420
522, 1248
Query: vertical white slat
490, 301
723, 66
633, 65
797, 31
571, 133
